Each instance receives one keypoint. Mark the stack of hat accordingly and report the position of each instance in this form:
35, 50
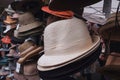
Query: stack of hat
29, 26
68, 48
110, 28
111, 32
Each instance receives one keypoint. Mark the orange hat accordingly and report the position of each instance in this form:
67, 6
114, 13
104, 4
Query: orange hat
6, 40
63, 14
9, 20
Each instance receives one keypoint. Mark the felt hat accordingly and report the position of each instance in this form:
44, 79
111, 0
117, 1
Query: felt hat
61, 48
9, 20
62, 5
28, 22
110, 28
25, 45
64, 14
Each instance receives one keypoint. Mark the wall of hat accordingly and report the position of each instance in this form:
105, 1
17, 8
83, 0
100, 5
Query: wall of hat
49, 40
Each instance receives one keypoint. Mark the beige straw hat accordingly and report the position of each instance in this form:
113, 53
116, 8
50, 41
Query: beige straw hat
66, 43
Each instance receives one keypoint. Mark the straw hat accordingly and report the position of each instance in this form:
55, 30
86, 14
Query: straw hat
61, 48
64, 14
9, 20
61, 5
28, 22
110, 28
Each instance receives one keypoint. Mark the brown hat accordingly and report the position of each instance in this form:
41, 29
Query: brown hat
28, 22
61, 5
110, 28
25, 45
112, 66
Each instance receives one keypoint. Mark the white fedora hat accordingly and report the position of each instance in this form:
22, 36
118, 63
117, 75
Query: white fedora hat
66, 43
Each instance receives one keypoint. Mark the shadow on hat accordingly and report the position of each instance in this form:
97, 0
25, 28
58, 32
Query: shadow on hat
62, 50
62, 5
112, 67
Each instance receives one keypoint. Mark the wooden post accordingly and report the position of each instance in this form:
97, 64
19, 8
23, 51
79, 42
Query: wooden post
107, 7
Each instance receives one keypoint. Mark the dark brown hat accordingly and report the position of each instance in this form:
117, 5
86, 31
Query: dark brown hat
62, 5
27, 5
110, 31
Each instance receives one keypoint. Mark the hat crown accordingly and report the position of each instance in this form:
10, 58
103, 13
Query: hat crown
70, 37
26, 18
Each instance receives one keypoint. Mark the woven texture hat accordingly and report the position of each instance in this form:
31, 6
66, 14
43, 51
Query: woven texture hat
61, 49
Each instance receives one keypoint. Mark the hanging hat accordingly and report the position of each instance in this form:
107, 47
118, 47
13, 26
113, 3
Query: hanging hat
110, 28
62, 49
9, 20
6, 40
62, 5
64, 14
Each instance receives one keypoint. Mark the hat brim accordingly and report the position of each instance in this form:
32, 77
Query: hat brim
31, 32
10, 22
52, 61
8, 10
62, 5
64, 14
24, 28
71, 68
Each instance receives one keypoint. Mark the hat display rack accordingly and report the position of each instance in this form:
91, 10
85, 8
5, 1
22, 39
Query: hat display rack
26, 25
112, 53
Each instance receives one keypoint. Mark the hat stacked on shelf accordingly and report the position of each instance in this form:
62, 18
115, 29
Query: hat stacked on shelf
68, 50
29, 26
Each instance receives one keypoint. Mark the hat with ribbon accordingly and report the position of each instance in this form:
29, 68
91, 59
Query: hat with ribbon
64, 14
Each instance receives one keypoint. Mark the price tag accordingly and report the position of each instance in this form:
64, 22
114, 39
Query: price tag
18, 67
